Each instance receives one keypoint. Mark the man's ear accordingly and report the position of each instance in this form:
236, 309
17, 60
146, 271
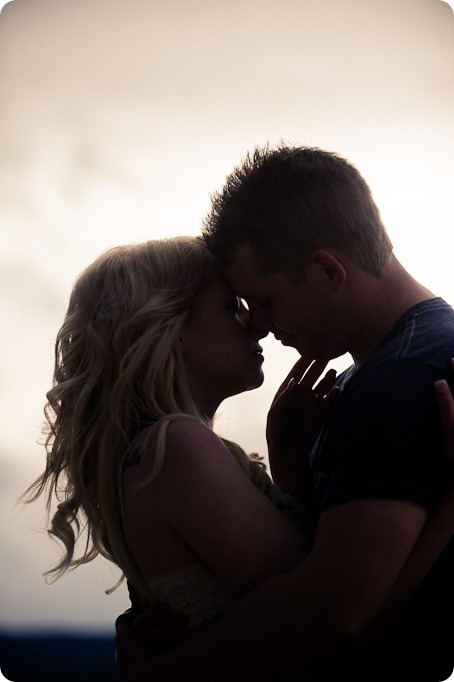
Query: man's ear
331, 267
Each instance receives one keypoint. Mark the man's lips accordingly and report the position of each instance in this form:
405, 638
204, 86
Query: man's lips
286, 339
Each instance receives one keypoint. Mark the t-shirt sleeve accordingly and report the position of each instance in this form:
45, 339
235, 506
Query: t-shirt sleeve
385, 441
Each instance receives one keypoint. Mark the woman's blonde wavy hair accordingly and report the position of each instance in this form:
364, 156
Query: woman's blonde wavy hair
118, 369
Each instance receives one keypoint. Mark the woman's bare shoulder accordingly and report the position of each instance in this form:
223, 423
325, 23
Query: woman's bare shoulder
181, 442
189, 433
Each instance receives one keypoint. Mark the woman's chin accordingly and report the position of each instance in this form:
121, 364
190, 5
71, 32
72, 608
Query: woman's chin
258, 382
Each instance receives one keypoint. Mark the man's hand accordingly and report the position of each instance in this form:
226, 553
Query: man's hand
140, 638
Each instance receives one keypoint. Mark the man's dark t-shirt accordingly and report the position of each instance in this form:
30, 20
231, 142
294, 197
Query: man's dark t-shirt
383, 440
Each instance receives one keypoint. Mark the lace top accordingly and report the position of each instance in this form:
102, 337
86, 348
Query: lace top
200, 594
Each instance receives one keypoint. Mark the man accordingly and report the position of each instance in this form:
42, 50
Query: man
299, 237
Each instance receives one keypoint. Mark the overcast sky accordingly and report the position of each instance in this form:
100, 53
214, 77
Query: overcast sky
119, 117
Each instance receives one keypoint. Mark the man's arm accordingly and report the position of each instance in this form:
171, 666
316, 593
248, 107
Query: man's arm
314, 610
135, 664
437, 532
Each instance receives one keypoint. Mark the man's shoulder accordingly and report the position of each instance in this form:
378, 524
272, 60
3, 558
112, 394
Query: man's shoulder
423, 337
432, 317
401, 382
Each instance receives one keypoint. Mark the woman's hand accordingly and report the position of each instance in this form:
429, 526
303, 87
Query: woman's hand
294, 421
445, 402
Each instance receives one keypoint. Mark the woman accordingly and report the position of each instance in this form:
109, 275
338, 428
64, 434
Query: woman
153, 341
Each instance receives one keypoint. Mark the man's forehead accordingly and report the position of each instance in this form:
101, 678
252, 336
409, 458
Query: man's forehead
242, 275
244, 260
249, 283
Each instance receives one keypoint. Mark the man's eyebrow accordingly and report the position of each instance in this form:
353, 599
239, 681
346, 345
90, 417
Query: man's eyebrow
254, 297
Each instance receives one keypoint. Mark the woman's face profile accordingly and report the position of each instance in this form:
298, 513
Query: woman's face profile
222, 357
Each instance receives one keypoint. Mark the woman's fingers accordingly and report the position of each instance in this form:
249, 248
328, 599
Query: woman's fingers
297, 370
300, 385
445, 402
283, 398
296, 373
326, 384
312, 374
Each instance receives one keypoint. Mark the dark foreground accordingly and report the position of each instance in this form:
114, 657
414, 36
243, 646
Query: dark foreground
33, 657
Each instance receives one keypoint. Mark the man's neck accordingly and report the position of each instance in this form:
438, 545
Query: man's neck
384, 302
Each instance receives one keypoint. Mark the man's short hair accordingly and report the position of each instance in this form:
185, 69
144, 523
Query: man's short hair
288, 201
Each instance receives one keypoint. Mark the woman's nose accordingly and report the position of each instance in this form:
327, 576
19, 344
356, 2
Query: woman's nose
258, 325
